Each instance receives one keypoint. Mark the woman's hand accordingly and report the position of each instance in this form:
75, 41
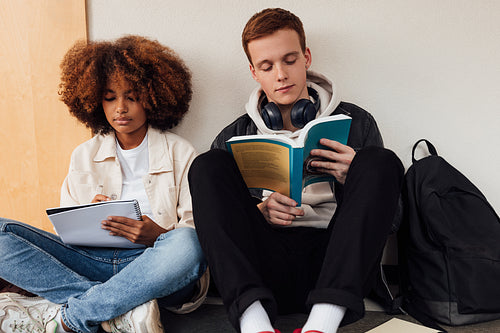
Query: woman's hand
336, 160
100, 197
279, 209
144, 232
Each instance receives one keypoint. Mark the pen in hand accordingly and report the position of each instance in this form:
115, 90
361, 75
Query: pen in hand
100, 198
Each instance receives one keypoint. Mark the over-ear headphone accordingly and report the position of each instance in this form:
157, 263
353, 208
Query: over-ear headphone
303, 111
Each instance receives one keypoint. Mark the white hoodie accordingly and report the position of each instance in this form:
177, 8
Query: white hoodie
318, 200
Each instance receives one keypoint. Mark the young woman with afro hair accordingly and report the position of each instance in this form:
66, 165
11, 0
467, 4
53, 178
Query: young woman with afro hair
129, 92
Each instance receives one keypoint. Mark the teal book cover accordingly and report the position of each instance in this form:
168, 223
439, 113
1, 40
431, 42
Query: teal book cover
278, 163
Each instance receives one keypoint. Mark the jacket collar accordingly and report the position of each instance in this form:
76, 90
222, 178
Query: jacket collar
107, 148
159, 160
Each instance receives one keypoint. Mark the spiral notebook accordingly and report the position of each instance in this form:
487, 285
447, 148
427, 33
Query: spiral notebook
81, 224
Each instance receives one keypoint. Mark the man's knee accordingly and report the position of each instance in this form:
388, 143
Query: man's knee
210, 164
380, 158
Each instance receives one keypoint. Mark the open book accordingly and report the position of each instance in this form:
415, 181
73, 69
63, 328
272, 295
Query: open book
81, 224
281, 164
396, 325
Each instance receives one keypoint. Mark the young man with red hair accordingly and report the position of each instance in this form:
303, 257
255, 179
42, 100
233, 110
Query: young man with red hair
267, 255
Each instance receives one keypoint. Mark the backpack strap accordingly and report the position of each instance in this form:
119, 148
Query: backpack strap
432, 150
405, 299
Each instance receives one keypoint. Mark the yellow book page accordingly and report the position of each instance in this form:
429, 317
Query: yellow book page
263, 165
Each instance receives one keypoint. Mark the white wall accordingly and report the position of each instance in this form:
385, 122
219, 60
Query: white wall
423, 68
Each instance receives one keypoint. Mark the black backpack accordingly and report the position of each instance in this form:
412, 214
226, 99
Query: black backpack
448, 246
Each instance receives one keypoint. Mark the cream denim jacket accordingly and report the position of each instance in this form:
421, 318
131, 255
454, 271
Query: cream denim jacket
95, 169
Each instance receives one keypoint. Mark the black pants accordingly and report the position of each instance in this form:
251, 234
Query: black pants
289, 269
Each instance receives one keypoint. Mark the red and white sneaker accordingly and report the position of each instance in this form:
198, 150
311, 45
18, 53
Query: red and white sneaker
299, 330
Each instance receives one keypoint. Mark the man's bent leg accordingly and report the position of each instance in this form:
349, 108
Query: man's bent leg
232, 232
359, 231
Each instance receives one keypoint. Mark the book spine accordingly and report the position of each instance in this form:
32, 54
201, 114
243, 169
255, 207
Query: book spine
296, 170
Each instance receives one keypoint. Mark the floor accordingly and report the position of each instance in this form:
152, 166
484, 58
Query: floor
211, 318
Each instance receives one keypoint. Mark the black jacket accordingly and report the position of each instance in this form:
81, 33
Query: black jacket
364, 132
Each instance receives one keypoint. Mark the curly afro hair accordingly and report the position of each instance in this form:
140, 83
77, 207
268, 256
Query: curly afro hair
160, 78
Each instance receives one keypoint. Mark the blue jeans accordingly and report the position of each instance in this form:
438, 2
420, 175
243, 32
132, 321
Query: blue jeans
98, 284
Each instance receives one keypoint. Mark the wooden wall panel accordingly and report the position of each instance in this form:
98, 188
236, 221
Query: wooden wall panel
37, 134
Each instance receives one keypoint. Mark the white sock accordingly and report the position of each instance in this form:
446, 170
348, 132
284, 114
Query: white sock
255, 319
324, 317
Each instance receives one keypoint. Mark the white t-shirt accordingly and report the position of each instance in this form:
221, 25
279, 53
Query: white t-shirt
135, 164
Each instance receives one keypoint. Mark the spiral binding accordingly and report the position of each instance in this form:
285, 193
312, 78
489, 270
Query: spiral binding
137, 209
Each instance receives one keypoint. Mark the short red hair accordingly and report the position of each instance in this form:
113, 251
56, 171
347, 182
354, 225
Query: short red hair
267, 22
